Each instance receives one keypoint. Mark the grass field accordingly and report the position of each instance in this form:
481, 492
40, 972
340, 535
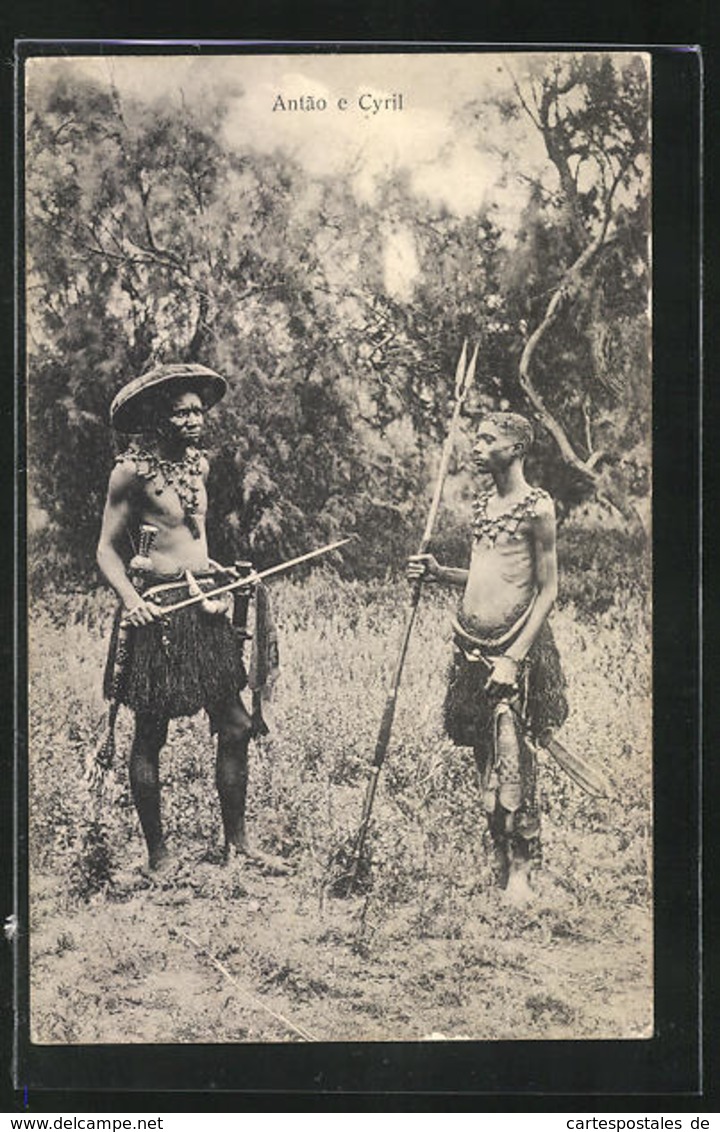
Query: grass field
429, 950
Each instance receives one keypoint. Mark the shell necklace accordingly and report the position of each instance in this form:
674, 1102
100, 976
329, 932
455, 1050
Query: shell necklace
184, 477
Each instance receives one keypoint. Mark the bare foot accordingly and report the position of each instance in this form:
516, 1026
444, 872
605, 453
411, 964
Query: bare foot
273, 865
161, 862
518, 892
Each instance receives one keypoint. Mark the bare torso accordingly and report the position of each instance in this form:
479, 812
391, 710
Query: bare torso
176, 546
500, 586
170, 495
502, 580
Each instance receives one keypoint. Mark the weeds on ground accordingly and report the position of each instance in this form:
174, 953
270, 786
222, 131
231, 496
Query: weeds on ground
428, 877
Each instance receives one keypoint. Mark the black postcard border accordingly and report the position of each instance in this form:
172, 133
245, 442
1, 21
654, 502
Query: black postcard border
514, 1073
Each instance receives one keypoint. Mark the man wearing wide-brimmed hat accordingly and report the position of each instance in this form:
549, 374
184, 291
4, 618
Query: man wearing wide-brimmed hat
153, 552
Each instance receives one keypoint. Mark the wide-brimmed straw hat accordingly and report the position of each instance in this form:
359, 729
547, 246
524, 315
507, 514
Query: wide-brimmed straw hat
129, 409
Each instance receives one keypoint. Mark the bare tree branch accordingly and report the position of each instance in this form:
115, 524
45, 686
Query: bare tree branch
567, 288
521, 97
585, 409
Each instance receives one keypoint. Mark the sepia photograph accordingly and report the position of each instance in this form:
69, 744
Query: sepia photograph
339, 547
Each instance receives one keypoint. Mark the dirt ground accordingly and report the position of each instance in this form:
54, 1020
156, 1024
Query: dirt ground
429, 951
209, 957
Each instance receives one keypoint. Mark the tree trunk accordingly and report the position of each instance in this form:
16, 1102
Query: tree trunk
200, 334
585, 468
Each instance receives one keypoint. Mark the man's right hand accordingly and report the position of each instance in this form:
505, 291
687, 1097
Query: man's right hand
423, 566
141, 613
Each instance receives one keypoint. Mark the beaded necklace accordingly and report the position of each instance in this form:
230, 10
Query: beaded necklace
509, 521
184, 477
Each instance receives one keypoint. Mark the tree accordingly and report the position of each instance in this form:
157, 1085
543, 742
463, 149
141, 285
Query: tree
148, 240
577, 280
337, 321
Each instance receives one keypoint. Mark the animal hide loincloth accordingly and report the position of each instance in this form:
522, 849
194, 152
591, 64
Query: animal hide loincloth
469, 710
506, 763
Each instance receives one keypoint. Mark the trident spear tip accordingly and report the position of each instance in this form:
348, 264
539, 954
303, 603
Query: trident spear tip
470, 374
465, 374
460, 367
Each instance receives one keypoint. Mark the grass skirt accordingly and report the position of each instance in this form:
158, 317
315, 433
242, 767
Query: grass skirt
178, 665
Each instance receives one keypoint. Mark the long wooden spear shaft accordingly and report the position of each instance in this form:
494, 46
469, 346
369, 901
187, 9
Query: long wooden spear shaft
464, 375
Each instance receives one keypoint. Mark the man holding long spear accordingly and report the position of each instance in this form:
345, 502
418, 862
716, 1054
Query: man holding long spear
506, 687
165, 664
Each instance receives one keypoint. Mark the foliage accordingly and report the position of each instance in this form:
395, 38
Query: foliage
151, 239
576, 282
428, 946
600, 570
93, 868
150, 242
